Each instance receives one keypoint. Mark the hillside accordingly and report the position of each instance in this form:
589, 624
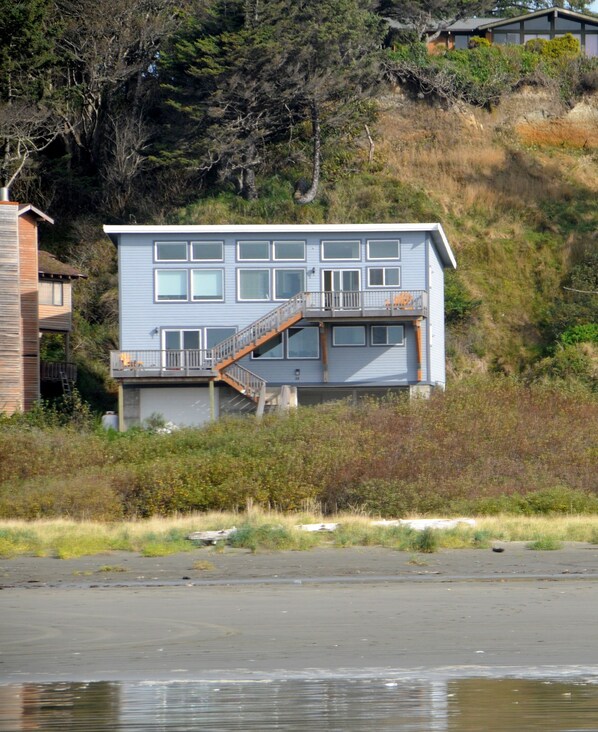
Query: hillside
515, 189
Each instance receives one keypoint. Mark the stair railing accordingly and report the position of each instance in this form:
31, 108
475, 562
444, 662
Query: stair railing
269, 323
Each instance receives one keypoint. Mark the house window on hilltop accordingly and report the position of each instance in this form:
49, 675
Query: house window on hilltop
384, 249
207, 284
216, 335
272, 349
51, 293
207, 251
303, 342
384, 277
287, 250
171, 285
388, 335
288, 282
171, 251
348, 335
253, 284
256, 251
341, 250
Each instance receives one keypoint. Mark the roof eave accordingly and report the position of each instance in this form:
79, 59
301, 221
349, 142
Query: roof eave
435, 229
537, 13
29, 208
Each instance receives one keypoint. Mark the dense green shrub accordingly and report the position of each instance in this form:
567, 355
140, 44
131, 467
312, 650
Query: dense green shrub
483, 73
561, 48
588, 80
478, 41
488, 443
584, 333
458, 305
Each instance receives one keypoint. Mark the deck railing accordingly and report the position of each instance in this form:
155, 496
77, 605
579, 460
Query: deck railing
183, 362
214, 361
57, 371
272, 322
244, 380
367, 302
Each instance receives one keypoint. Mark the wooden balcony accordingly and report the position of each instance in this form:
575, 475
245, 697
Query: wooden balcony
161, 364
373, 305
370, 304
57, 371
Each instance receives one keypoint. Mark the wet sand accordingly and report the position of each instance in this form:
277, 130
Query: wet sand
323, 612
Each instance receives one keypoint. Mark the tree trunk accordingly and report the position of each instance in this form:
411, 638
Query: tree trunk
248, 190
312, 191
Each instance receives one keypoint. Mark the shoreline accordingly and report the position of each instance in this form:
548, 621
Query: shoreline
318, 614
210, 566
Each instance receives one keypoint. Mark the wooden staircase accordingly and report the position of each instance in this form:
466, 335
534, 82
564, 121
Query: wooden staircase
226, 354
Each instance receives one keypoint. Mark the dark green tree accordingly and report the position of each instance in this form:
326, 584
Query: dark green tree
328, 62
27, 124
247, 71
430, 17
216, 75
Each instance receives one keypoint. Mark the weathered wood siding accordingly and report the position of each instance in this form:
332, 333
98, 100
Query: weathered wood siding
11, 367
28, 279
58, 317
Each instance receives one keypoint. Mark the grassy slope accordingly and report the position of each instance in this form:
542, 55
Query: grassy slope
516, 200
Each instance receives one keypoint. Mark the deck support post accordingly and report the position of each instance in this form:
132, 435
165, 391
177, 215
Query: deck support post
121, 408
418, 347
261, 402
212, 400
324, 351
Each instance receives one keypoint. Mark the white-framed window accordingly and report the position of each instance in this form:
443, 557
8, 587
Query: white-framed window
253, 251
215, 334
253, 284
179, 339
272, 349
349, 249
384, 249
341, 280
51, 293
384, 276
288, 282
348, 335
207, 251
207, 284
170, 251
289, 250
303, 342
388, 335
181, 348
171, 285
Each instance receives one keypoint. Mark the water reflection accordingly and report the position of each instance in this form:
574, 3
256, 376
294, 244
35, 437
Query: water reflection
334, 705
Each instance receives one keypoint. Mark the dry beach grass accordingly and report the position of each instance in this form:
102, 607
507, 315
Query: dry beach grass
262, 530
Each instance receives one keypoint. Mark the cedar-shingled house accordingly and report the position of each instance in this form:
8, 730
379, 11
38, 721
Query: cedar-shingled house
35, 298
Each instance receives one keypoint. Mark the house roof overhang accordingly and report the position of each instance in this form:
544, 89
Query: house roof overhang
557, 12
50, 267
40, 215
466, 25
434, 229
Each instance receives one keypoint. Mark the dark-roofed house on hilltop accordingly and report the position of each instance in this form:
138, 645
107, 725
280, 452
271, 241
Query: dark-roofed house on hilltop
545, 24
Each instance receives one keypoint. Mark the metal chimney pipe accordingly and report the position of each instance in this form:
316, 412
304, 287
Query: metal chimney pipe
4, 194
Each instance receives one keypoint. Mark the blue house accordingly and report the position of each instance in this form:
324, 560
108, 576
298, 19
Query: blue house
221, 319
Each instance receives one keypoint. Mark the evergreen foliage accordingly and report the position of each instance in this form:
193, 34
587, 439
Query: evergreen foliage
246, 77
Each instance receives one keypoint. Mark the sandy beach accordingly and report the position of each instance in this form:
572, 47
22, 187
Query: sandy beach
326, 611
